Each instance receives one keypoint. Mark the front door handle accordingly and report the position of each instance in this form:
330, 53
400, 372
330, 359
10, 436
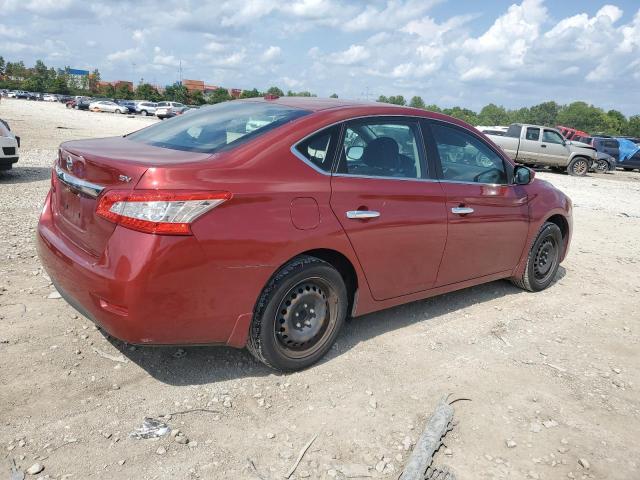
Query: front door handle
462, 210
543, 146
362, 214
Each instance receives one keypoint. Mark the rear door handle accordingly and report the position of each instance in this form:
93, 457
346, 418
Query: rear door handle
462, 210
362, 214
543, 146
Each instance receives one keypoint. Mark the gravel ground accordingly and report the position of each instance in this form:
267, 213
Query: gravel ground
553, 377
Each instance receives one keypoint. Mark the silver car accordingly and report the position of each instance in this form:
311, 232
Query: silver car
107, 106
146, 108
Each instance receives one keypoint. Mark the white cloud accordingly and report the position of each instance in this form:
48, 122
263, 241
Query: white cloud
11, 32
123, 55
271, 54
353, 55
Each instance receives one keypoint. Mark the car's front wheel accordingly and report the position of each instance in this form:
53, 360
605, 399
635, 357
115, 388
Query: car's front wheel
602, 166
143, 113
298, 315
579, 166
543, 260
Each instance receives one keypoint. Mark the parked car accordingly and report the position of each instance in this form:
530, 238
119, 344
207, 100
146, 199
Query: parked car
199, 231
624, 151
48, 97
22, 94
170, 109
130, 104
12, 94
629, 154
107, 106
79, 104
538, 145
9, 146
146, 108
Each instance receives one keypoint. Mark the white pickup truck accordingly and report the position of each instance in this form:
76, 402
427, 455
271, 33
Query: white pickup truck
538, 145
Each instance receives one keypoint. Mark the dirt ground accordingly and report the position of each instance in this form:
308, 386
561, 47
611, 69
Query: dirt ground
553, 374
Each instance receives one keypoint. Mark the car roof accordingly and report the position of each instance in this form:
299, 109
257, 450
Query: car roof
315, 104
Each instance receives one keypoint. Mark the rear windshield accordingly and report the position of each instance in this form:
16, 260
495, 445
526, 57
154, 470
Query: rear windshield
514, 131
217, 127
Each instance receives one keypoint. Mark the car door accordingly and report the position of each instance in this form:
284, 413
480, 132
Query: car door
529, 150
488, 217
554, 149
389, 204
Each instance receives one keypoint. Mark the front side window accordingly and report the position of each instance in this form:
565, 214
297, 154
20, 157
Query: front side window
551, 136
381, 148
319, 148
533, 134
217, 127
465, 158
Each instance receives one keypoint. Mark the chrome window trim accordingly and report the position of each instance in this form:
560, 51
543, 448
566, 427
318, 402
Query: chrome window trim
295, 151
374, 177
88, 188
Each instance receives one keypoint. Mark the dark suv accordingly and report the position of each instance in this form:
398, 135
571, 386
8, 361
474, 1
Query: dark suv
617, 147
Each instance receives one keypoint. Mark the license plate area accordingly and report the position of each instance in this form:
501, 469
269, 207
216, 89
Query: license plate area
70, 204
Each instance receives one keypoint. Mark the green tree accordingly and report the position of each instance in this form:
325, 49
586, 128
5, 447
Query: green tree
433, 108
146, 91
382, 99
632, 127
300, 94
94, 80
543, 114
59, 85
416, 102
583, 116
2, 65
107, 90
275, 91
493, 115
333, 95
616, 122
397, 100
463, 114
123, 91
177, 93
250, 93
219, 95
197, 97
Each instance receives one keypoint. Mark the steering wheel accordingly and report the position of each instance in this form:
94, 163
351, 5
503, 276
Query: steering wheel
486, 172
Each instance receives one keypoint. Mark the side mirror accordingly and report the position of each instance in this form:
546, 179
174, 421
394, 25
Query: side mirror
523, 175
355, 153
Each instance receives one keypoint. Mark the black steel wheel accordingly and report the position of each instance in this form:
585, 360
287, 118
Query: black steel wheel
543, 260
298, 315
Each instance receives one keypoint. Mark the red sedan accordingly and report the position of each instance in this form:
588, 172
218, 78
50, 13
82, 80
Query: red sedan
264, 223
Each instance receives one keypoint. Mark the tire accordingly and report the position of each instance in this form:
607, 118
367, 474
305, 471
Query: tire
601, 166
118, 111
543, 259
286, 333
144, 113
76, 107
578, 167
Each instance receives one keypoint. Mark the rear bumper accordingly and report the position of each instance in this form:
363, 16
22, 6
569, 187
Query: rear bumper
149, 289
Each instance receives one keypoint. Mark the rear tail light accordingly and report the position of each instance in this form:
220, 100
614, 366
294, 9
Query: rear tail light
157, 211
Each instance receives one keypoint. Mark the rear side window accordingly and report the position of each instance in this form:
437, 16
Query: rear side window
465, 158
319, 149
217, 127
611, 143
514, 131
377, 147
533, 133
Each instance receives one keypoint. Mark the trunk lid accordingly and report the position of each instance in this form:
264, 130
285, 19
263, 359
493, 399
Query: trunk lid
85, 168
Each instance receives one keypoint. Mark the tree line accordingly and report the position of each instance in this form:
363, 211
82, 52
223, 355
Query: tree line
580, 115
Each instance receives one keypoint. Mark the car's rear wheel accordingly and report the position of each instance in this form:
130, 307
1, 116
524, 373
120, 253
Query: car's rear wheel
543, 260
118, 111
143, 113
298, 315
579, 166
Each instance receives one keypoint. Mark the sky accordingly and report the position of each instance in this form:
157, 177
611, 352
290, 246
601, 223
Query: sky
449, 52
